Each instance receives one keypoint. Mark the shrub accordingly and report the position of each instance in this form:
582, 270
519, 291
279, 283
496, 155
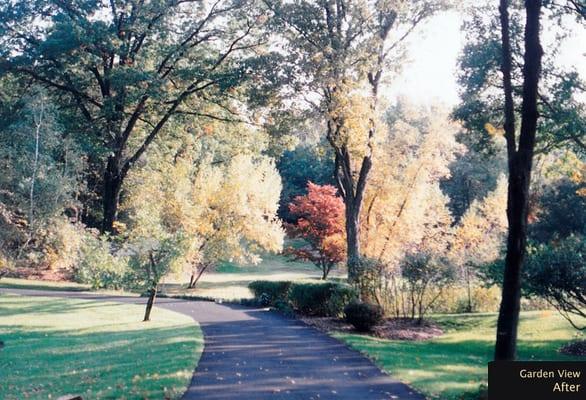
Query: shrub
363, 316
98, 266
340, 297
270, 291
425, 278
284, 308
320, 299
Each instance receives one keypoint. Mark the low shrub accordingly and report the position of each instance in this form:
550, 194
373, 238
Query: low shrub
317, 299
363, 316
340, 297
269, 292
284, 308
320, 299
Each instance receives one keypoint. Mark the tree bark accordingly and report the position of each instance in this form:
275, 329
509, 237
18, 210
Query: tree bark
150, 303
112, 187
353, 239
520, 164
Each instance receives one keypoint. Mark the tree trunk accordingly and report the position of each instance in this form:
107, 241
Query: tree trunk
469, 288
520, 164
194, 279
353, 240
150, 303
111, 199
325, 269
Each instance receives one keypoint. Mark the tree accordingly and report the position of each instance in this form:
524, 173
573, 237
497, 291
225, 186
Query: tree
307, 162
150, 260
476, 172
562, 212
520, 159
42, 178
404, 199
557, 272
217, 192
320, 222
126, 69
479, 235
339, 51
562, 122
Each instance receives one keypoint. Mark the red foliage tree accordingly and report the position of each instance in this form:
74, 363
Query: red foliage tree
320, 222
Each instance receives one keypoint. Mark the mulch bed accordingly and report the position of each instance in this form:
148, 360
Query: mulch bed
577, 348
392, 328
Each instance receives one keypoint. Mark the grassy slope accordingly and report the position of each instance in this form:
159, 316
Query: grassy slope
457, 361
99, 350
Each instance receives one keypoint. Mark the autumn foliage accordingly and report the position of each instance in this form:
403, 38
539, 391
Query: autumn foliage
320, 222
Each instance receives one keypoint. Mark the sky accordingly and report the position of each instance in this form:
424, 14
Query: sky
431, 75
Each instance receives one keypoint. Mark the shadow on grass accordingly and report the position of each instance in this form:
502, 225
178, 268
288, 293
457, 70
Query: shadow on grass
148, 363
56, 305
448, 367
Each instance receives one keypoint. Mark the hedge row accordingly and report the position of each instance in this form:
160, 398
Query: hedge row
316, 299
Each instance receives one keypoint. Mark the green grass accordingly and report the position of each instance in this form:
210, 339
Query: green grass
456, 362
99, 350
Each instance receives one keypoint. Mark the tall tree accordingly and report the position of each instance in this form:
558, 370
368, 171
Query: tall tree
128, 68
404, 202
340, 49
520, 159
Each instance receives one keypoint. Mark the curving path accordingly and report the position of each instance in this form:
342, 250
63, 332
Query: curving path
252, 354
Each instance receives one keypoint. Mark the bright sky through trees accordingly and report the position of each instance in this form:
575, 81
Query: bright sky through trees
431, 74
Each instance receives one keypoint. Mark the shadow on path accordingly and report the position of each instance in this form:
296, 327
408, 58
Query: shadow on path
253, 354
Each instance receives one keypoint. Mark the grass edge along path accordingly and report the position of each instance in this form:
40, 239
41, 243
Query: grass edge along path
57, 346
456, 364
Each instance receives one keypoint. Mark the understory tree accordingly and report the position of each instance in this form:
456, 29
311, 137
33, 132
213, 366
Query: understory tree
320, 223
218, 192
406, 212
479, 237
557, 273
42, 177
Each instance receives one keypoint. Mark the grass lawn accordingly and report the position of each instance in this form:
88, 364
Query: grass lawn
98, 350
456, 362
230, 281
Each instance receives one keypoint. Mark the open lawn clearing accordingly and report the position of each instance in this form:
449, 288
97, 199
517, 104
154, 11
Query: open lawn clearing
56, 346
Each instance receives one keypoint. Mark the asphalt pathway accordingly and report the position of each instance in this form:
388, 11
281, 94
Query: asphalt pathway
254, 354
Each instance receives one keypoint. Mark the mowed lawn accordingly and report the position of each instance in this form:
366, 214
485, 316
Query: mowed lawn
230, 281
99, 350
456, 363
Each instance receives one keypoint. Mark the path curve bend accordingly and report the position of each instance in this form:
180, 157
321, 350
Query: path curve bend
254, 354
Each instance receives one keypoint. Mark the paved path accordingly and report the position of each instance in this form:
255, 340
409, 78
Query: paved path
253, 354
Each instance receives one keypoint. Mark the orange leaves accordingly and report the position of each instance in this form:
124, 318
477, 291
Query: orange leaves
320, 223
